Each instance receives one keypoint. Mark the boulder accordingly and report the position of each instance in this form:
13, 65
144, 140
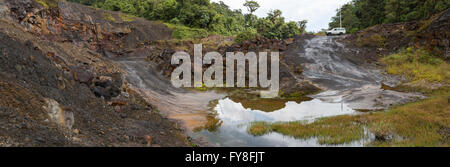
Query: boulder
62, 116
108, 86
82, 76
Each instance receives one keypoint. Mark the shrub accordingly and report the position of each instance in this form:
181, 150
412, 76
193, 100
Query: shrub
417, 65
248, 34
183, 32
48, 3
375, 40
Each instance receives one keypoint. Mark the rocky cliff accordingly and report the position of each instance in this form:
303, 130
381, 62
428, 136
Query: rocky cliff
431, 34
57, 87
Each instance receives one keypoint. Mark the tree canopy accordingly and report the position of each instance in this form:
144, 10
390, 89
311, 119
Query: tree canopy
214, 17
252, 6
360, 14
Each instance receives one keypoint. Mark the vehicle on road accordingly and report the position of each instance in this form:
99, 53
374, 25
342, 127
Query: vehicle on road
336, 31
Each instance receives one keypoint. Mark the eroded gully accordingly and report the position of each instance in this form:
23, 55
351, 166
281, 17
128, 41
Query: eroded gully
348, 88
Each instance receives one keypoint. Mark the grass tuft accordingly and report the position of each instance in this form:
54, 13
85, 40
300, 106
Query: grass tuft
418, 65
375, 40
335, 130
259, 128
48, 3
422, 123
109, 17
183, 32
127, 17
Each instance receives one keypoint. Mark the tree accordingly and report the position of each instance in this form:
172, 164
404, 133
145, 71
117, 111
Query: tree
274, 15
251, 5
212, 17
275, 27
360, 14
167, 10
302, 26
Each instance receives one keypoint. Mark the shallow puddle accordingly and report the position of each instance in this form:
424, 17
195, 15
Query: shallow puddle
235, 119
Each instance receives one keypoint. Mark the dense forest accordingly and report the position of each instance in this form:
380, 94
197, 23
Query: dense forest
360, 14
205, 17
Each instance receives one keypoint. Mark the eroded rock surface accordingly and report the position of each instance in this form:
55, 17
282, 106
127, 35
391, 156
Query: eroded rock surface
58, 89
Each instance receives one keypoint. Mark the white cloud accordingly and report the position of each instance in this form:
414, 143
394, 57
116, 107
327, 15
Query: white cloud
317, 12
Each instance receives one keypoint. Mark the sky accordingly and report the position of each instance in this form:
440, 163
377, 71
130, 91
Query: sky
317, 12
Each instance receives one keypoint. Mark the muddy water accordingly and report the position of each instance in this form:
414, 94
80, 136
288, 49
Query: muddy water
348, 87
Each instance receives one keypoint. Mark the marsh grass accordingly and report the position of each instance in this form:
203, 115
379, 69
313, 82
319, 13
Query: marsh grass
212, 124
330, 131
422, 123
259, 128
418, 65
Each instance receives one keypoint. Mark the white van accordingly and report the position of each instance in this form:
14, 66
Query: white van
336, 31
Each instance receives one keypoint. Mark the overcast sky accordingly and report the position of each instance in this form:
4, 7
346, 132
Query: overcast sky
317, 12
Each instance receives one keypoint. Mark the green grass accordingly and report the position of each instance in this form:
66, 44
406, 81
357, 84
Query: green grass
374, 40
259, 128
183, 32
422, 123
248, 34
109, 17
127, 17
48, 3
327, 131
418, 65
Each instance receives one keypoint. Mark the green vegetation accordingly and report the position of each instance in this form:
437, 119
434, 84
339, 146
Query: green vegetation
198, 18
183, 32
48, 3
418, 65
109, 17
259, 128
248, 34
127, 17
212, 124
360, 14
327, 131
375, 40
423, 123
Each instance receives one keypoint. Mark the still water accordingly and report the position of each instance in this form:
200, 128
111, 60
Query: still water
236, 119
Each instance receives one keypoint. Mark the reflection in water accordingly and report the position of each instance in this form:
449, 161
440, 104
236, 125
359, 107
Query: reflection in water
236, 119
230, 111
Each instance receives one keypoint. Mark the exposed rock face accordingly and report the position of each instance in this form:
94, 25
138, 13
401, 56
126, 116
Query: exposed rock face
59, 115
87, 27
292, 82
108, 86
51, 63
4, 11
436, 36
431, 34
260, 44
